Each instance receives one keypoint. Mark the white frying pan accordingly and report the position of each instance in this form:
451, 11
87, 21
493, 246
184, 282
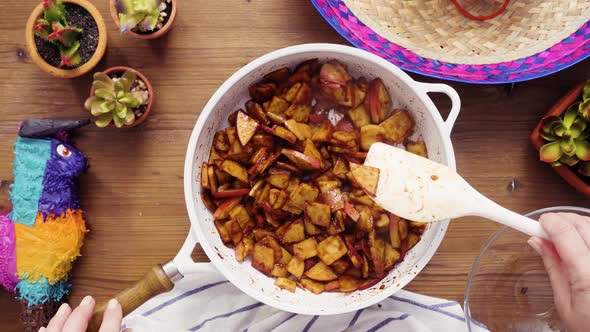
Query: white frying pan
406, 93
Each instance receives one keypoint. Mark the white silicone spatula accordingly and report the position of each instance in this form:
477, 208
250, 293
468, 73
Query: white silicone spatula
420, 189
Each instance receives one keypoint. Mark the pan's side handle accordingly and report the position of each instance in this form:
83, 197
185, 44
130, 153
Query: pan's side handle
452, 94
155, 282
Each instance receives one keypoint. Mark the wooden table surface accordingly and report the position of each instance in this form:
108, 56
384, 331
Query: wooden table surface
133, 192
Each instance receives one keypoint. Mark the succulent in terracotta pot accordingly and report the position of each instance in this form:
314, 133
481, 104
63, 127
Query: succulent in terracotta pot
562, 137
120, 97
144, 19
66, 38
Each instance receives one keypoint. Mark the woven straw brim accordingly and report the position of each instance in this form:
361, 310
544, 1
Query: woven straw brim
435, 29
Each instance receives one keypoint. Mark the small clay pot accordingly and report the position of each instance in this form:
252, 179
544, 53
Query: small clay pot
140, 76
64, 72
164, 30
566, 172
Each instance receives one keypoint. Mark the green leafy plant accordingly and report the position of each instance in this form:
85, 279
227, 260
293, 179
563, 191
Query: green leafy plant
567, 139
114, 100
140, 14
584, 105
54, 28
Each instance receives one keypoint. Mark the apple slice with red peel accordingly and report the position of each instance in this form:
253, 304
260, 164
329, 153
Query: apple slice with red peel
223, 210
246, 127
379, 100
301, 160
231, 193
366, 176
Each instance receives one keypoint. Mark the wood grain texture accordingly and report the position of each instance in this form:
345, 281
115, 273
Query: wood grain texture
133, 193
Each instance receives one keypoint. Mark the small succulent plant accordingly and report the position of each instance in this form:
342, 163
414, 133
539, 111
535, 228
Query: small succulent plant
584, 106
567, 139
140, 14
54, 28
114, 100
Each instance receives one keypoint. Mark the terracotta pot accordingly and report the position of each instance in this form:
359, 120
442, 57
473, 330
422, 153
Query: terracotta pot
61, 72
157, 34
122, 69
566, 172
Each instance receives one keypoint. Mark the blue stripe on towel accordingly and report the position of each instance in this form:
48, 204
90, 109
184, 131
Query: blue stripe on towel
424, 306
355, 318
182, 296
387, 321
243, 309
310, 324
284, 321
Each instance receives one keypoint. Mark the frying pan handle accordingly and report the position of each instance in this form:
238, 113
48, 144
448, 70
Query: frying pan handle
452, 94
155, 282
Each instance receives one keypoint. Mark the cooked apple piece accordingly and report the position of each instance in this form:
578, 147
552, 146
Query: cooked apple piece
299, 113
306, 248
333, 198
332, 286
340, 266
276, 118
246, 127
328, 185
299, 93
208, 201
355, 258
263, 196
370, 134
231, 193
279, 270
310, 228
359, 197
301, 160
271, 242
255, 111
293, 184
299, 196
418, 148
255, 191
262, 91
377, 252
412, 240
382, 222
402, 227
366, 284
295, 232
281, 200
278, 76
312, 286
351, 211
310, 150
279, 180
301, 130
260, 234
391, 256
204, 176
220, 142
331, 249
337, 225
223, 210
348, 284
211, 178
273, 195
321, 272
343, 136
366, 176
263, 258
286, 283
340, 168
322, 133
234, 169
359, 116
283, 133
223, 232
365, 221
243, 249
379, 100
318, 213
267, 163
240, 214
398, 126
277, 105
296, 267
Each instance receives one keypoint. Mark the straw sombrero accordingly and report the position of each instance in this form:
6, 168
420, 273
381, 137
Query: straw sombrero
531, 38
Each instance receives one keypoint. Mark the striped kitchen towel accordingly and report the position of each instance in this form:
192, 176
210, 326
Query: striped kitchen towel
208, 302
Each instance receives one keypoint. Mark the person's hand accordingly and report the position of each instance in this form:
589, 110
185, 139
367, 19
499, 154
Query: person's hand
567, 260
66, 320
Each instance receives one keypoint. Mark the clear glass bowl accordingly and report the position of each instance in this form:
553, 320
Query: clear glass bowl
508, 289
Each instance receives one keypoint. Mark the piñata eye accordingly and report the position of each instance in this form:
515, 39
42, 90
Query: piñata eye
63, 151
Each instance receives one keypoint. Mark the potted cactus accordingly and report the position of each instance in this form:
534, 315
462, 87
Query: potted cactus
120, 97
562, 137
144, 19
66, 38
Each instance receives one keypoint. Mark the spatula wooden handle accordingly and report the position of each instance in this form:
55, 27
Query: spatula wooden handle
153, 283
